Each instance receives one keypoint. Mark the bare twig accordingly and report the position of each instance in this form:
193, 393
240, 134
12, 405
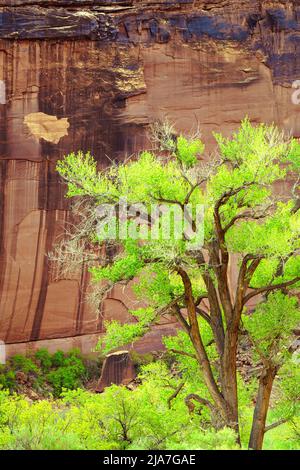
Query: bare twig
174, 395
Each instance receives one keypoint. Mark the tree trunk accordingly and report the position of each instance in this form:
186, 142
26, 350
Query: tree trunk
261, 408
229, 381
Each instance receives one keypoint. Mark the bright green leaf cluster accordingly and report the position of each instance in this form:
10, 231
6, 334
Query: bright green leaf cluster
189, 150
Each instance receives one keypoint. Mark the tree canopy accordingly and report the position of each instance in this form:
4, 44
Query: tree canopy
242, 282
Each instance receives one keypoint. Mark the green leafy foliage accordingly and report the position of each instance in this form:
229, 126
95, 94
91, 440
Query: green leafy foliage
46, 373
189, 150
116, 419
119, 418
7, 378
68, 375
271, 325
249, 230
118, 334
24, 364
44, 358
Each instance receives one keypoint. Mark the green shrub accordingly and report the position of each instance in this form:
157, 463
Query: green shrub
18, 363
69, 374
58, 358
46, 373
25, 364
8, 380
44, 358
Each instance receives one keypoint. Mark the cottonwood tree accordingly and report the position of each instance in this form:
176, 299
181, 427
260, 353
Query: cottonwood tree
244, 277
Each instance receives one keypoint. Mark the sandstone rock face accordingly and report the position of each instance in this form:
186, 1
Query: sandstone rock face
91, 75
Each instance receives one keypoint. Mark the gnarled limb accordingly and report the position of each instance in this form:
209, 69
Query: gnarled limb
204, 315
216, 321
194, 397
276, 424
174, 395
263, 290
247, 215
245, 274
183, 353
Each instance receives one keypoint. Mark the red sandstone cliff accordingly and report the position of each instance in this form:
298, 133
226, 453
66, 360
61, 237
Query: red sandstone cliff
91, 75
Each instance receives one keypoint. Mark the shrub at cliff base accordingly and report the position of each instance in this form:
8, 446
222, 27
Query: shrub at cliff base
45, 373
